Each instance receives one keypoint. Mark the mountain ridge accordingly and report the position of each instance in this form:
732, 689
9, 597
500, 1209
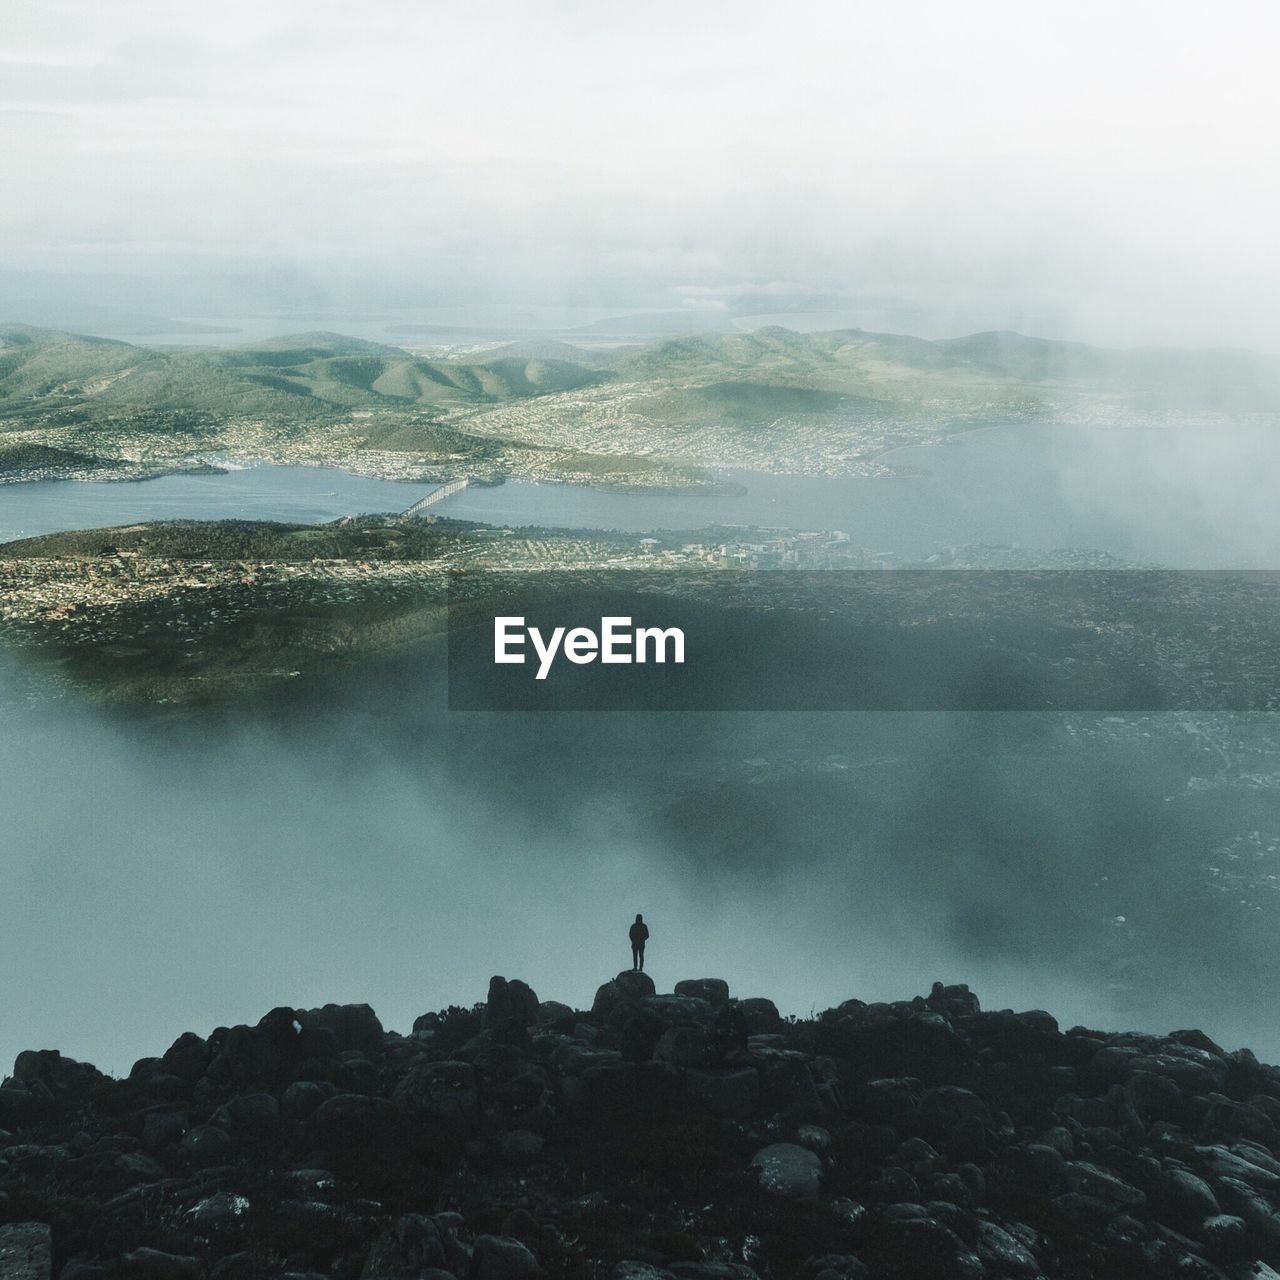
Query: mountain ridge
682, 1136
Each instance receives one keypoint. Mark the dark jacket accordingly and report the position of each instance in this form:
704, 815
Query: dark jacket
639, 934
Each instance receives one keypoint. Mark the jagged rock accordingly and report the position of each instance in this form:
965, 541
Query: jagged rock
715, 991
788, 1171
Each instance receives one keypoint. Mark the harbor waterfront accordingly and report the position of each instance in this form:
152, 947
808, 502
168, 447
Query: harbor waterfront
1121, 491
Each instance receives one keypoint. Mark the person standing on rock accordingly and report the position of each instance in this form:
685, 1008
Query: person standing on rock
639, 936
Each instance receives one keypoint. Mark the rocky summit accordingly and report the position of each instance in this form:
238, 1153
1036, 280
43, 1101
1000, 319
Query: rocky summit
689, 1134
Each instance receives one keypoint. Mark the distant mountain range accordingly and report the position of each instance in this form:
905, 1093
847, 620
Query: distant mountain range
732, 373
647, 414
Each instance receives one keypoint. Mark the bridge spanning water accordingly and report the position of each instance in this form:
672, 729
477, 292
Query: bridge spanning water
436, 495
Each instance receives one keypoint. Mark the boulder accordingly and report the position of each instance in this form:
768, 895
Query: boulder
353, 1026
715, 991
1226, 1120
1003, 1253
155, 1264
512, 1001
348, 1118
1223, 1232
163, 1128
732, 1095
788, 1171
1101, 1184
552, 1011
217, 1210
762, 1015
502, 1258
17, 1107
673, 1010
414, 1246
522, 1144
25, 1251
1184, 1199
187, 1057
255, 1115
207, 1144
445, 1092
629, 987
730, 1032
685, 1048
640, 1033
57, 1074
302, 1097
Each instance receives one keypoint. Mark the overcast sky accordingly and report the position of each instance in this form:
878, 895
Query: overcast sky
1104, 170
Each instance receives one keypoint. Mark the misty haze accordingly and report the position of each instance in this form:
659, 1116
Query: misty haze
319, 328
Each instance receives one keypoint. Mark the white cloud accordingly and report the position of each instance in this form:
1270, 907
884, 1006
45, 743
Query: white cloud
1069, 148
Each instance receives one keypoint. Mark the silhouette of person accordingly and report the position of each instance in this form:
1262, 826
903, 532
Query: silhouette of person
639, 935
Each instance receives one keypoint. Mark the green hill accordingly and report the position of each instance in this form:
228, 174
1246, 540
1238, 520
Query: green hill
311, 374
